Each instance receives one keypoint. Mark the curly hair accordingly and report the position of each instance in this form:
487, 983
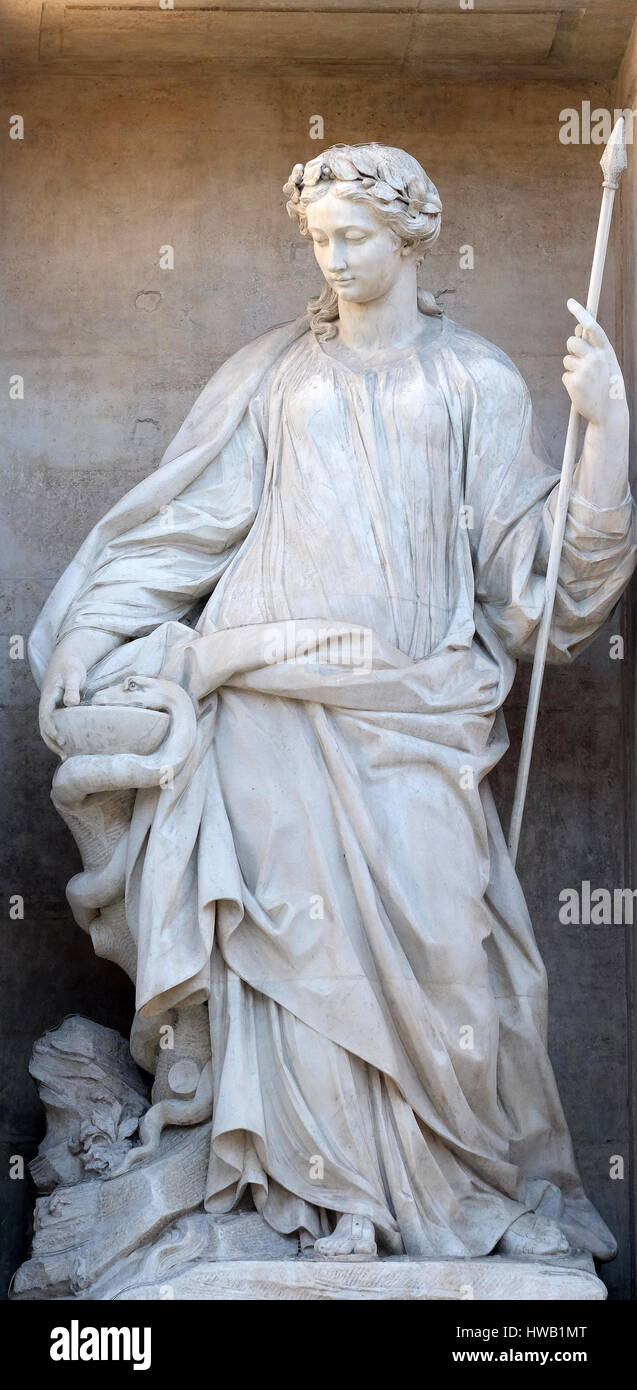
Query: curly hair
397, 186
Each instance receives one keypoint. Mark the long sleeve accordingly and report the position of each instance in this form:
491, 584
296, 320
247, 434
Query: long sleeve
155, 572
514, 505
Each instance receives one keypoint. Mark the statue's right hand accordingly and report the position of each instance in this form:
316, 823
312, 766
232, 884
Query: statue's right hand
63, 685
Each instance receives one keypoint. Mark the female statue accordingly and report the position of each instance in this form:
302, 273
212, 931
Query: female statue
362, 501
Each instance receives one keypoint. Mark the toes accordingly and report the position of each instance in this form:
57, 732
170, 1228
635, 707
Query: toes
532, 1235
552, 1236
355, 1237
326, 1248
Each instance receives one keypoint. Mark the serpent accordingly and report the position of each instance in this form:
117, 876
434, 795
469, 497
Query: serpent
84, 776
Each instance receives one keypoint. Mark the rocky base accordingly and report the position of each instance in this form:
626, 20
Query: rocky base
116, 1221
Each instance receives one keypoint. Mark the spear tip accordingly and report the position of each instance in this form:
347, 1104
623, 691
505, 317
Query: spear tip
613, 160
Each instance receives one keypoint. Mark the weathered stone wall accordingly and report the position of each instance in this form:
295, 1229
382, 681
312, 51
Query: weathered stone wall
113, 349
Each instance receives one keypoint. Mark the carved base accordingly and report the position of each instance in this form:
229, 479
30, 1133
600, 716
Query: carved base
103, 1232
493, 1279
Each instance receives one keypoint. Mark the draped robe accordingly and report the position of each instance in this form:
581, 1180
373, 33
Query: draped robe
328, 870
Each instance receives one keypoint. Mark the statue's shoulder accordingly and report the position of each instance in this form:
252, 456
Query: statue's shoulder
486, 365
272, 344
228, 393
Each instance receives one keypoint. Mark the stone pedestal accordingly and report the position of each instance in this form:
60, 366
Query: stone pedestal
493, 1279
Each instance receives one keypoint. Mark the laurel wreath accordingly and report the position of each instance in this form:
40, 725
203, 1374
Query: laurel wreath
359, 166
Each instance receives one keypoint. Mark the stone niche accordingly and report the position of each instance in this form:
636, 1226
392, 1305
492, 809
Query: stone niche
134, 117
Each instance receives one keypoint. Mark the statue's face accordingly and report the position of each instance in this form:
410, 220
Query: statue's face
360, 257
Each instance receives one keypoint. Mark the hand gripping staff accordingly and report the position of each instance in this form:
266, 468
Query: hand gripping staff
613, 163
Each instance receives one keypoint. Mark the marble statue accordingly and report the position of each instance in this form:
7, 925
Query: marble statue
284, 814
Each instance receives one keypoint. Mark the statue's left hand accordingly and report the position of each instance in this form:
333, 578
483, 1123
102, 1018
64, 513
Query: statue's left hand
63, 684
66, 676
593, 375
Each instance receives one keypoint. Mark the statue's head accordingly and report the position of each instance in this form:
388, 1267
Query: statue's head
367, 209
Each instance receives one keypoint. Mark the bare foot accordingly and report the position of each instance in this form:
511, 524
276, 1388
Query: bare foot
532, 1235
353, 1235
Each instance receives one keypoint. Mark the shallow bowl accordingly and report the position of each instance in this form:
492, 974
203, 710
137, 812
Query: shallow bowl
110, 729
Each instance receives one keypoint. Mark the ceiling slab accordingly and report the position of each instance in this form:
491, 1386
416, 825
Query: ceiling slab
470, 37
426, 7
557, 39
73, 33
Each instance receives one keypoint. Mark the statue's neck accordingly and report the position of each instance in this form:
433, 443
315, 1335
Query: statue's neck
392, 321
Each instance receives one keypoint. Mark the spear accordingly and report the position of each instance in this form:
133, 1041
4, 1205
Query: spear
613, 163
